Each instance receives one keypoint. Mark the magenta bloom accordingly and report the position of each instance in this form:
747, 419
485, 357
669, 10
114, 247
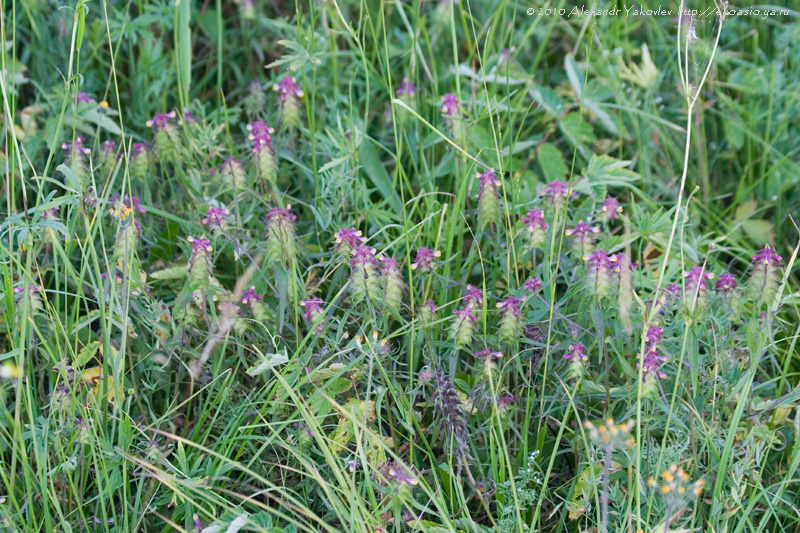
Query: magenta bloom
510, 305
652, 365
259, 129
280, 213
216, 217
288, 88
49, 214
599, 273
188, 117
697, 280
726, 284
200, 246
487, 353
502, 401
582, 231
406, 88
75, 146
611, 209
576, 352
108, 147
654, 336
138, 149
534, 220
450, 105
348, 239
312, 306
160, 121
431, 305
466, 313
31, 288
768, 256
363, 256
474, 295
425, 260
556, 192
82, 98
389, 264
532, 285
249, 295
674, 290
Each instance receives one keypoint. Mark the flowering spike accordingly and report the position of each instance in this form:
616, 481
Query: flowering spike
216, 218
536, 228
488, 198
364, 275
625, 293
450, 108
141, 161
166, 136
76, 159
510, 322
199, 267
264, 159
582, 235
556, 193
463, 326
599, 273
233, 173
281, 235
314, 313
765, 276
393, 284
347, 240
290, 101
425, 260
532, 285
610, 209
256, 304
576, 355
697, 288
407, 89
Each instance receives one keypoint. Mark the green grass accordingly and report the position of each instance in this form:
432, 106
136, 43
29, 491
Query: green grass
145, 388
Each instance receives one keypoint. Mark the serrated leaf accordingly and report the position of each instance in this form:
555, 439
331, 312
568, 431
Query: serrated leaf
577, 129
552, 162
548, 100
173, 272
608, 171
267, 362
87, 353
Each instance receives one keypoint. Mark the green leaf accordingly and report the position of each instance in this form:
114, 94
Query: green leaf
267, 362
605, 170
87, 353
552, 162
373, 168
173, 272
102, 120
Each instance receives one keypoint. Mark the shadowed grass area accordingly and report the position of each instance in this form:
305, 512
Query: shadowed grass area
399, 266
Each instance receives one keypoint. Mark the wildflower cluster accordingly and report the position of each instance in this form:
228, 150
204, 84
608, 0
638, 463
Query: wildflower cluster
263, 153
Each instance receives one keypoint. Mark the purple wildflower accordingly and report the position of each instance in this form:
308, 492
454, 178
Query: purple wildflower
582, 237
557, 192
364, 276
532, 285
474, 296
765, 276
250, 295
697, 288
510, 323
450, 105
487, 353
216, 218
726, 284
510, 305
290, 101
314, 313
108, 148
425, 259
599, 272
610, 209
52, 213
406, 89
488, 198
536, 226
576, 352
82, 98
281, 235
160, 121
348, 239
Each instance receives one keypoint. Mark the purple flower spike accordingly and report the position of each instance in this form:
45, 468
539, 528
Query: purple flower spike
216, 218
288, 88
466, 313
138, 149
534, 220
576, 352
189, 117
652, 365
654, 336
348, 239
313, 306
532, 285
108, 147
49, 214
425, 260
697, 281
726, 284
406, 88
160, 121
250, 295
75, 146
389, 264
767, 256
582, 230
474, 295
259, 129
487, 353
450, 105
510, 305
556, 192
363, 255
83, 98
201, 245
280, 213
611, 209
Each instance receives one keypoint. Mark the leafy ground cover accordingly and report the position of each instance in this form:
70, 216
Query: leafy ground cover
398, 266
